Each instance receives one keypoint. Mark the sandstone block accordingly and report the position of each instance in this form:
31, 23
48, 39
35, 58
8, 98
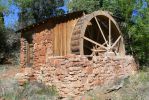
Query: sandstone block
89, 70
78, 84
28, 72
74, 68
97, 82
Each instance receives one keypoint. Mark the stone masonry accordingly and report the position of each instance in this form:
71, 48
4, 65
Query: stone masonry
73, 75
42, 41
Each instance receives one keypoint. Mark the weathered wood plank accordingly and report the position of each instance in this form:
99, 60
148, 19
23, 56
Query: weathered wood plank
65, 37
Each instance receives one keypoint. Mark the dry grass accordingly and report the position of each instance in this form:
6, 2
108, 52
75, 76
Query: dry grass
10, 90
8, 71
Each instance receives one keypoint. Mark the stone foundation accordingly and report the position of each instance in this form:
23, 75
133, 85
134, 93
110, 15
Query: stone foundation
73, 75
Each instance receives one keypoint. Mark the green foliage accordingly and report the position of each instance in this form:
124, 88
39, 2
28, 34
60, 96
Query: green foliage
9, 40
121, 8
2, 8
9, 48
2, 31
139, 35
23, 3
33, 11
143, 77
88, 5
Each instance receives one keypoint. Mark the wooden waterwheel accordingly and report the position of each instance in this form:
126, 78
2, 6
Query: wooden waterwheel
97, 33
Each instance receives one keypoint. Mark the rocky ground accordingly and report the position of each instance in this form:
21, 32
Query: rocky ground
129, 88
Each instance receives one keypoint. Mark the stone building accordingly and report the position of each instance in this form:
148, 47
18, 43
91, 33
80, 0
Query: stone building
75, 52
73, 33
47, 38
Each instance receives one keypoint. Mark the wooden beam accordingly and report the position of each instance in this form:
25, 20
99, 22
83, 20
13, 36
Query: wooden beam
116, 41
100, 30
94, 42
105, 25
94, 50
104, 43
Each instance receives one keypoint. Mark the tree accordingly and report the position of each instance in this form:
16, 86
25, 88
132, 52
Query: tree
139, 35
2, 32
1, 16
87, 5
9, 41
33, 11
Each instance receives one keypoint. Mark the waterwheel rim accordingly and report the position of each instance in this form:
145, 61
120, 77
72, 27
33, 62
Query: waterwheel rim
109, 40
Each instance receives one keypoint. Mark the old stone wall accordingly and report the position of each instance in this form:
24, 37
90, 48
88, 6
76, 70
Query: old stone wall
74, 75
22, 52
42, 42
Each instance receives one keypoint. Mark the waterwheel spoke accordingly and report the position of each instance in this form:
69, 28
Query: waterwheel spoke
98, 50
104, 43
94, 42
109, 33
116, 41
105, 25
101, 30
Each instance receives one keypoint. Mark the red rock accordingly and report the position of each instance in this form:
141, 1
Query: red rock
89, 70
97, 82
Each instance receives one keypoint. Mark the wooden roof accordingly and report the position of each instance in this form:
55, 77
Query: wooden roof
61, 17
